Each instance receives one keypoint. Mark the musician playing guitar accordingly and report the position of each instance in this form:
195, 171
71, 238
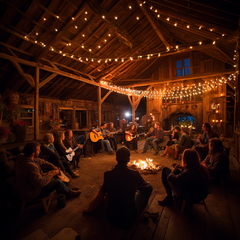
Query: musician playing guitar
62, 151
31, 182
131, 134
111, 128
102, 132
70, 142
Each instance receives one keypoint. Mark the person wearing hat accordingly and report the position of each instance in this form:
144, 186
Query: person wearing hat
126, 192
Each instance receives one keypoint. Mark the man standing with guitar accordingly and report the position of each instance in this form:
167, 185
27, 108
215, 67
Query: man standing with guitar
101, 134
156, 136
31, 182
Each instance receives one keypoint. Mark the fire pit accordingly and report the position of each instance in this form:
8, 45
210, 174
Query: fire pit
145, 166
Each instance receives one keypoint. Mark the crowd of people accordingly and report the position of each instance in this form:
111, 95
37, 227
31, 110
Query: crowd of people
124, 192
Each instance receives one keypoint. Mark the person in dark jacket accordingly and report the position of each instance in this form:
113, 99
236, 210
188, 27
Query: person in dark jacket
50, 154
208, 134
126, 191
63, 152
217, 161
188, 181
70, 142
131, 131
32, 182
156, 136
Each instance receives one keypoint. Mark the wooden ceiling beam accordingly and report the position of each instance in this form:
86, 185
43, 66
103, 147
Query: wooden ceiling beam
119, 30
74, 70
154, 24
16, 49
63, 30
185, 78
187, 16
48, 79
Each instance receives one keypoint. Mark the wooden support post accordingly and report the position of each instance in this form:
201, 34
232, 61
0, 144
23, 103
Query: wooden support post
36, 105
99, 104
237, 102
133, 109
73, 123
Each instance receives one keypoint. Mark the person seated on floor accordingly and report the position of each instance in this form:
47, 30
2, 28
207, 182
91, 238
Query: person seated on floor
180, 145
70, 142
173, 138
49, 153
131, 136
202, 147
125, 190
188, 181
31, 182
156, 136
217, 161
110, 127
62, 150
103, 132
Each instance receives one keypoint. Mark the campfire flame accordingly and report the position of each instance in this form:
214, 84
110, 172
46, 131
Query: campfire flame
144, 164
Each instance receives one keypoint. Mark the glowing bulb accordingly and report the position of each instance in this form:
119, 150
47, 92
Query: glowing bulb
137, 18
56, 30
158, 15
86, 12
168, 19
73, 18
175, 24
85, 19
109, 35
200, 27
130, 7
83, 35
188, 26
200, 43
103, 16
44, 19
116, 17
57, 16
76, 26
99, 46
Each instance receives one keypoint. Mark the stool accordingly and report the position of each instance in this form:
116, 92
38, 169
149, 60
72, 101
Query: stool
46, 201
184, 204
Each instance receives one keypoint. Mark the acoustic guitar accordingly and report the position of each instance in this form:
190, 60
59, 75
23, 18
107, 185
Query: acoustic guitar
62, 177
70, 156
97, 136
129, 137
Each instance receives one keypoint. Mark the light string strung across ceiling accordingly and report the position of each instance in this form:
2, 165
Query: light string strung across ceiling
175, 91
33, 39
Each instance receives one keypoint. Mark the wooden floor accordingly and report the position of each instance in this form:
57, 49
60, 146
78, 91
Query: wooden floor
221, 221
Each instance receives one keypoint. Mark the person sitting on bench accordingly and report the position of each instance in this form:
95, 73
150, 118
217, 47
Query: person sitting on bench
31, 182
202, 148
217, 161
156, 136
187, 181
102, 131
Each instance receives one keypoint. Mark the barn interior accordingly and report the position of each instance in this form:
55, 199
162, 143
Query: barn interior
74, 64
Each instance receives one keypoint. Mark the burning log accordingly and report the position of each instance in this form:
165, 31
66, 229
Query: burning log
145, 166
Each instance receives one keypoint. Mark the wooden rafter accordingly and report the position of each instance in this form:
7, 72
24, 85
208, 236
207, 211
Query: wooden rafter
63, 31
104, 98
185, 78
121, 33
154, 24
28, 77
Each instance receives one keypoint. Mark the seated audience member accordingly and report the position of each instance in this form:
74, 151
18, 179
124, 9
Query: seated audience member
70, 142
32, 182
156, 136
217, 161
188, 181
125, 190
173, 138
49, 153
181, 144
131, 131
111, 138
202, 148
102, 131
61, 149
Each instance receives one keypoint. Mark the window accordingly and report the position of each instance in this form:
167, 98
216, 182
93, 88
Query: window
183, 67
27, 115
